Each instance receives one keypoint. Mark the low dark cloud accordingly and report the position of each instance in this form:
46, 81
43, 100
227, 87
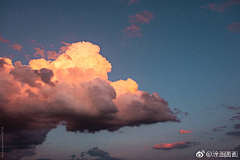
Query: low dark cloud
233, 133
101, 154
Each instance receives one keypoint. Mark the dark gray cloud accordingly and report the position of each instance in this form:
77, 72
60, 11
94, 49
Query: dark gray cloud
99, 154
233, 133
236, 126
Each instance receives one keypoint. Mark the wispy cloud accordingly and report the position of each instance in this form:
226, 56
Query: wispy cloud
142, 17
177, 145
221, 7
16, 46
234, 27
132, 31
220, 128
3, 40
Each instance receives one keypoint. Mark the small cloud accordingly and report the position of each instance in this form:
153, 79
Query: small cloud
3, 40
39, 52
183, 131
219, 128
236, 126
235, 117
132, 1
16, 46
34, 42
52, 55
132, 31
233, 133
177, 145
103, 155
143, 17
220, 7
233, 108
234, 27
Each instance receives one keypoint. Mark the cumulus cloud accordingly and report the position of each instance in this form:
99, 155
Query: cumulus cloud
183, 131
3, 40
177, 145
39, 52
221, 7
75, 89
16, 46
234, 27
142, 17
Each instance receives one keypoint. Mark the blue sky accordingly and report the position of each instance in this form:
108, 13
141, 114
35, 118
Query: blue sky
186, 51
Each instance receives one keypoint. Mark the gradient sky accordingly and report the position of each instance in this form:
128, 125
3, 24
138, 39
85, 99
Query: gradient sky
186, 51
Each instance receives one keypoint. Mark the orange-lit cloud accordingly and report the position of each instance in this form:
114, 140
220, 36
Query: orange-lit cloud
74, 88
177, 145
142, 17
221, 7
3, 40
52, 55
183, 131
39, 52
16, 46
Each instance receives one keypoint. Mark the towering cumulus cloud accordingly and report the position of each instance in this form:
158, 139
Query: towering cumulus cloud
74, 90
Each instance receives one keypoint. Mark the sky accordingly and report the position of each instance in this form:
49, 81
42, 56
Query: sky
119, 79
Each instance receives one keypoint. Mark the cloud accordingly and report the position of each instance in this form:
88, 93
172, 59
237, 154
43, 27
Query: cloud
233, 133
236, 126
183, 131
16, 46
219, 128
52, 55
177, 145
235, 117
96, 152
75, 89
221, 7
234, 27
39, 52
3, 40
132, 31
18, 144
142, 17
132, 1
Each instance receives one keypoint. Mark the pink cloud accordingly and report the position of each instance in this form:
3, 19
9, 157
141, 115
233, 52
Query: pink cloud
177, 145
234, 27
221, 7
16, 46
129, 1
3, 40
39, 52
143, 17
132, 31
132, 1
187, 131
